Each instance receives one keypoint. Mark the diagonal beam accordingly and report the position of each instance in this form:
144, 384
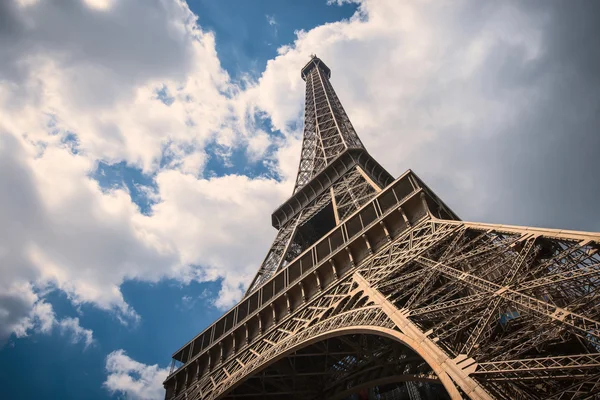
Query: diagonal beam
562, 234
586, 326
447, 305
445, 366
482, 326
559, 278
546, 366
589, 386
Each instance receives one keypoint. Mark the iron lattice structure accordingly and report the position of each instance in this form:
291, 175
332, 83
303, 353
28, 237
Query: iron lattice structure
373, 288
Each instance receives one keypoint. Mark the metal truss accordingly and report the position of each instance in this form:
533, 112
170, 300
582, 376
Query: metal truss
327, 128
347, 195
334, 305
549, 368
282, 246
351, 192
397, 296
327, 134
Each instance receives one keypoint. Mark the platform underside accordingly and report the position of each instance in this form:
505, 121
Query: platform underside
341, 367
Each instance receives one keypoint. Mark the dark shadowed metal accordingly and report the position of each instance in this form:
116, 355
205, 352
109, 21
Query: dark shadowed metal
374, 287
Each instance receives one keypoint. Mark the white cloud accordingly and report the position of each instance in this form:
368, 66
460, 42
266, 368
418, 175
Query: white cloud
42, 319
85, 241
71, 327
134, 379
273, 23
452, 90
470, 95
187, 301
59, 228
102, 83
44, 314
26, 3
16, 304
102, 5
206, 220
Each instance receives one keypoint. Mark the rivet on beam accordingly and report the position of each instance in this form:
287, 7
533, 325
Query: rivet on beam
385, 230
366, 239
335, 274
318, 280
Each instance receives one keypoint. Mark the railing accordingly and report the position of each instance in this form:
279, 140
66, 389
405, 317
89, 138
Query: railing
404, 193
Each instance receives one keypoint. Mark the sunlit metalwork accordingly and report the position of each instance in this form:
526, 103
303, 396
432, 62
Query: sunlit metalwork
374, 286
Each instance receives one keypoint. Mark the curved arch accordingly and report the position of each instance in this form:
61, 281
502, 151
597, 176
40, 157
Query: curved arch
371, 330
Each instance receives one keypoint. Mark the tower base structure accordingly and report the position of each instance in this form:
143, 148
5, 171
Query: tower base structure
398, 293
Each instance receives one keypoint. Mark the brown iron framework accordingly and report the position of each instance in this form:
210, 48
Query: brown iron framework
375, 284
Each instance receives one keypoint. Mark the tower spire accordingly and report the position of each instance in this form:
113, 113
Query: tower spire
336, 175
327, 128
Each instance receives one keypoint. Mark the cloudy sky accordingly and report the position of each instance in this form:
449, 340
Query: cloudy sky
144, 144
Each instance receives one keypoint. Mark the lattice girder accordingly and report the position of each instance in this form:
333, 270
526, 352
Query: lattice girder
346, 195
327, 129
338, 301
486, 311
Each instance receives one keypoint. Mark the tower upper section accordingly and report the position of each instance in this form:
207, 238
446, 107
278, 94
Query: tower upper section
327, 128
315, 62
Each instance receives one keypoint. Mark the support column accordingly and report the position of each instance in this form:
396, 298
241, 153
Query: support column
404, 217
457, 369
333, 268
302, 291
318, 279
288, 303
274, 313
260, 326
385, 230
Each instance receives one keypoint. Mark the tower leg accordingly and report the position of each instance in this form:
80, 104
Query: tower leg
450, 371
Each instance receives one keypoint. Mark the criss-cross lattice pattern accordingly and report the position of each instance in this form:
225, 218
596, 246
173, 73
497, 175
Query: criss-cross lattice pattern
327, 134
381, 287
521, 305
351, 192
327, 128
283, 248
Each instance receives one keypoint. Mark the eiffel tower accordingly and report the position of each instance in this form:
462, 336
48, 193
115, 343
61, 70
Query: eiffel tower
374, 289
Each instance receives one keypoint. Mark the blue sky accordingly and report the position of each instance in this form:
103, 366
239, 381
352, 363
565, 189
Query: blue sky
247, 35
144, 144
